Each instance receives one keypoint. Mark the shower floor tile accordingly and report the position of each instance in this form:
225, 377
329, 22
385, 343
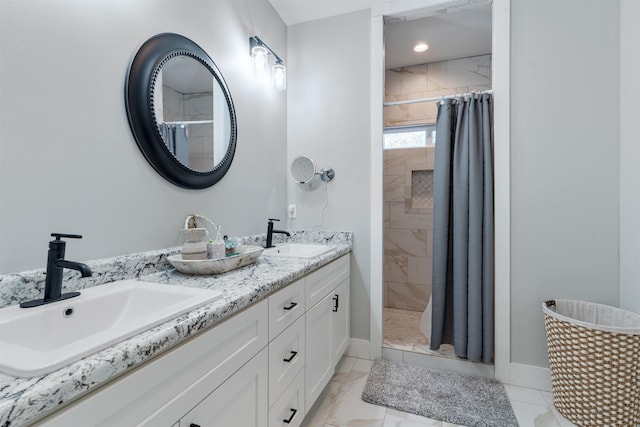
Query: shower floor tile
402, 332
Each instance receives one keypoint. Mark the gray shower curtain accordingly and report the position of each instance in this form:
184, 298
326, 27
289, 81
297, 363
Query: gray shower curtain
463, 272
177, 140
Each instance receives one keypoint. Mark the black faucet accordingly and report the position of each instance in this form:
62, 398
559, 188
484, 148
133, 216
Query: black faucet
55, 265
270, 232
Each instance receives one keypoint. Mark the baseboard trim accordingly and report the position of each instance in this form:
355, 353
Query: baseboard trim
359, 348
530, 376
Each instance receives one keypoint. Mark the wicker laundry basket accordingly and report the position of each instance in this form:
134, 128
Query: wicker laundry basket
594, 356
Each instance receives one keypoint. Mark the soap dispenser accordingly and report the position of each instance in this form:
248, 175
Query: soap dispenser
218, 248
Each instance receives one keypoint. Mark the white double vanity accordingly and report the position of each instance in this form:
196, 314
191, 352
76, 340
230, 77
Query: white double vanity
259, 356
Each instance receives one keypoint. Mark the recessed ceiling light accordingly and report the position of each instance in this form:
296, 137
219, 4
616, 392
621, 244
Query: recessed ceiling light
421, 47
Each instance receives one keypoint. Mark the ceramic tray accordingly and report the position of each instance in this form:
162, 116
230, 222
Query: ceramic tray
245, 255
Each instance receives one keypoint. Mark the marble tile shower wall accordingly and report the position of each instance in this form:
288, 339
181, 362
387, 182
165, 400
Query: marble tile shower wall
428, 80
407, 231
407, 224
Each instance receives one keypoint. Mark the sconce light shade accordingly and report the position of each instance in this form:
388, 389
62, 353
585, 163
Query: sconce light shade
260, 54
260, 58
279, 77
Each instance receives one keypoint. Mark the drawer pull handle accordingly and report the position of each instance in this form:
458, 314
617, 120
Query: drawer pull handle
290, 306
293, 414
194, 425
336, 299
293, 354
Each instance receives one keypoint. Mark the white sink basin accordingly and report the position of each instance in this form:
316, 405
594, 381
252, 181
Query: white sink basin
297, 250
35, 341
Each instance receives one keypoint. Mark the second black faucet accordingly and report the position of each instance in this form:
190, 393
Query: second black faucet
270, 232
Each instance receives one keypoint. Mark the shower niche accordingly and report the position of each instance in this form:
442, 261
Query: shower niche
422, 189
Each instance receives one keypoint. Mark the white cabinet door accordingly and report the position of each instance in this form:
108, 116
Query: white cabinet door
241, 401
319, 337
340, 321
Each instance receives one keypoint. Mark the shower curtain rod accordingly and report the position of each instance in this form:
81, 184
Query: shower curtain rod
435, 98
189, 122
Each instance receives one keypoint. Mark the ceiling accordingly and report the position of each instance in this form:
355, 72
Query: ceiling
456, 34
452, 28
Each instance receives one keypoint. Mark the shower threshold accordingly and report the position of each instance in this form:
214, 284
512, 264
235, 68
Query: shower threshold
402, 332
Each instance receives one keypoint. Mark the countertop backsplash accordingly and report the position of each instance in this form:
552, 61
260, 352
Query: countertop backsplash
29, 285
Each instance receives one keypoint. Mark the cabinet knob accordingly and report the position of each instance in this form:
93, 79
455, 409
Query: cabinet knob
336, 299
290, 306
293, 414
293, 354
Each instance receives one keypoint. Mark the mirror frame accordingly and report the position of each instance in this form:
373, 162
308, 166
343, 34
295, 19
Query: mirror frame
139, 89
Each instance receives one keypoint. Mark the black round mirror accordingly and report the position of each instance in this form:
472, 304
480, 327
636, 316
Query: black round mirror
181, 112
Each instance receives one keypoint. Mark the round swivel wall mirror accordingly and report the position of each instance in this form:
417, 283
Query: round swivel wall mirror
303, 170
181, 112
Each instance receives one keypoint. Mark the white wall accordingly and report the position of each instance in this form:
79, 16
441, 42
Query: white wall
68, 161
565, 157
629, 156
328, 120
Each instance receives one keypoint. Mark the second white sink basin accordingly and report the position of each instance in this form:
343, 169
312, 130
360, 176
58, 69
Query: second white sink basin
298, 250
35, 341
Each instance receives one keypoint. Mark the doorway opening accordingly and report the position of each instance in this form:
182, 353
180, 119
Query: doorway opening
457, 61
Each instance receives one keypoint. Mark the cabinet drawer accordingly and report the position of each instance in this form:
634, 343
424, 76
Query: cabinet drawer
289, 411
285, 306
322, 281
286, 358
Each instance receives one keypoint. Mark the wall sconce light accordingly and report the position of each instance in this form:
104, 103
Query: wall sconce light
260, 54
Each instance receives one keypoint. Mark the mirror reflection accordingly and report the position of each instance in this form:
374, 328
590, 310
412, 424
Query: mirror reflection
192, 114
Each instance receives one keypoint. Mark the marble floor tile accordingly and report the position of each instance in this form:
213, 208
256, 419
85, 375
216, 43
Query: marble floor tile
561, 419
526, 395
346, 364
402, 419
341, 405
350, 410
548, 397
320, 411
363, 365
530, 415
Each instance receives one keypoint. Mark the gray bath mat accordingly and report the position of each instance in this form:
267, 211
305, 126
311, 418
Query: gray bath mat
445, 396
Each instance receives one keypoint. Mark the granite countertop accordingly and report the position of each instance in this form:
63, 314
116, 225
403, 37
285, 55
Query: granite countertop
25, 400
